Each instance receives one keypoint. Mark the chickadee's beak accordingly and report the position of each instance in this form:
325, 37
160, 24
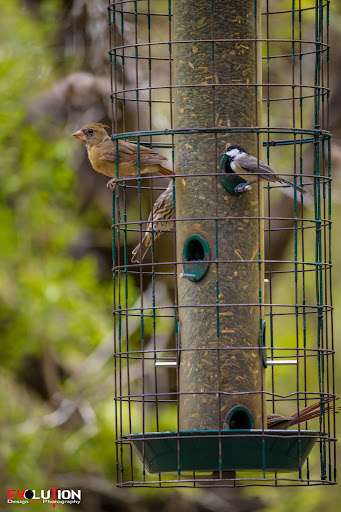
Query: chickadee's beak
79, 135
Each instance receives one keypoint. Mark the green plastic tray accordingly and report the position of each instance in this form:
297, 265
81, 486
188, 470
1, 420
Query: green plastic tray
282, 450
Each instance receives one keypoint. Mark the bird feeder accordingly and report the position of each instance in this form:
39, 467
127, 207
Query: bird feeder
246, 322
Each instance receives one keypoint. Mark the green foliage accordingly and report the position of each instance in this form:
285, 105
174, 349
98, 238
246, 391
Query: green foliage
47, 298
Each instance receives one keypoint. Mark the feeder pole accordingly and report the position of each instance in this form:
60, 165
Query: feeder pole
202, 101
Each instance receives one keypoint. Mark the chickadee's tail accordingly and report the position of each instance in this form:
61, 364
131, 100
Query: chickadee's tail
288, 182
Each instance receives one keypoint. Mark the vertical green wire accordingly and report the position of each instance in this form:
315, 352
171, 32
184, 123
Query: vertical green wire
217, 278
122, 32
317, 190
321, 93
136, 48
300, 458
329, 188
293, 24
139, 192
138, 165
117, 197
113, 235
329, 227
118, 244
119, 306
328, 52
318, 31
295, 239
304, 312
260, 294
319, 295
216, 221
125, 249
169, 20
261, 341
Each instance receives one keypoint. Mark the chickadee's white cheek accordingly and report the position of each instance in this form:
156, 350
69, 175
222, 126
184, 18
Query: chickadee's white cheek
233, 152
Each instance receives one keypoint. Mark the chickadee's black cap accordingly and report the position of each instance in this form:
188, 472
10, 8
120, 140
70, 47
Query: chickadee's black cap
240, 148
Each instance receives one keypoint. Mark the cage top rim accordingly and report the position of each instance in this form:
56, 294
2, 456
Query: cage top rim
224, 40
112, 5
325, 134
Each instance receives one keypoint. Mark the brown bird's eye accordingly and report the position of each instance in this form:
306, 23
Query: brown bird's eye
90, 130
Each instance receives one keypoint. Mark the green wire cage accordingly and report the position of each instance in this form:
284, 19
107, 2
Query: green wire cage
223, 342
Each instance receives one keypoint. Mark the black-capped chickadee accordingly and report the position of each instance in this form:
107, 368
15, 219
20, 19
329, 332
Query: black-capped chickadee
241, 162
162, 210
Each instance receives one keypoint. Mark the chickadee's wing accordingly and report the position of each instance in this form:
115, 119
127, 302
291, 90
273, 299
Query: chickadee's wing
250, 164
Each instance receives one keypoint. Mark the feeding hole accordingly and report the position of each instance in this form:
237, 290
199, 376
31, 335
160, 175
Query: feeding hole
196, 254
227, 167
195, 250
228, 178
239, 418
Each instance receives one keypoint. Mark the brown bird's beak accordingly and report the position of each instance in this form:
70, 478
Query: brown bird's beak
79, 135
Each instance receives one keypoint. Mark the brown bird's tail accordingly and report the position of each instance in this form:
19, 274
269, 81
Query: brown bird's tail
288, 182
164, 171
141, 249
313, 411
278, 422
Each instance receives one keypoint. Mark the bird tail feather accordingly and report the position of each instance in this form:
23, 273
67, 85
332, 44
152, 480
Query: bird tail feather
164, 171
288, 182
313, 411
141, 249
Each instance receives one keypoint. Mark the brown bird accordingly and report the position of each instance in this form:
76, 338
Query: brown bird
278, 422
102, 155
162, 210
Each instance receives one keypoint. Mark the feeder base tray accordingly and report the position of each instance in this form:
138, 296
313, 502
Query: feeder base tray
282, 450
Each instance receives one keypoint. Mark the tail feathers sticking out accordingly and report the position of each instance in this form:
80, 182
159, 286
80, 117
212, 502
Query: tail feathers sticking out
313, 411
164, 171
302, 190
141, 249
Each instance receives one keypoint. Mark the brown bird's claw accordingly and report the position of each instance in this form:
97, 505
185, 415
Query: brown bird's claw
112, 184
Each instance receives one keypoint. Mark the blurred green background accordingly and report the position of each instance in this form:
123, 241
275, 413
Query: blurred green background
57, 385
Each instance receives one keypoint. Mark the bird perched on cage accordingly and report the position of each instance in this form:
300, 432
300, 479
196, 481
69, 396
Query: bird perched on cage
241, 162
102, 155
161, 211
279, 422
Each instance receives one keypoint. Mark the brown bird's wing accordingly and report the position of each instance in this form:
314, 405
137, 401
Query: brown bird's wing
128, 153
131, 153
107, 151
